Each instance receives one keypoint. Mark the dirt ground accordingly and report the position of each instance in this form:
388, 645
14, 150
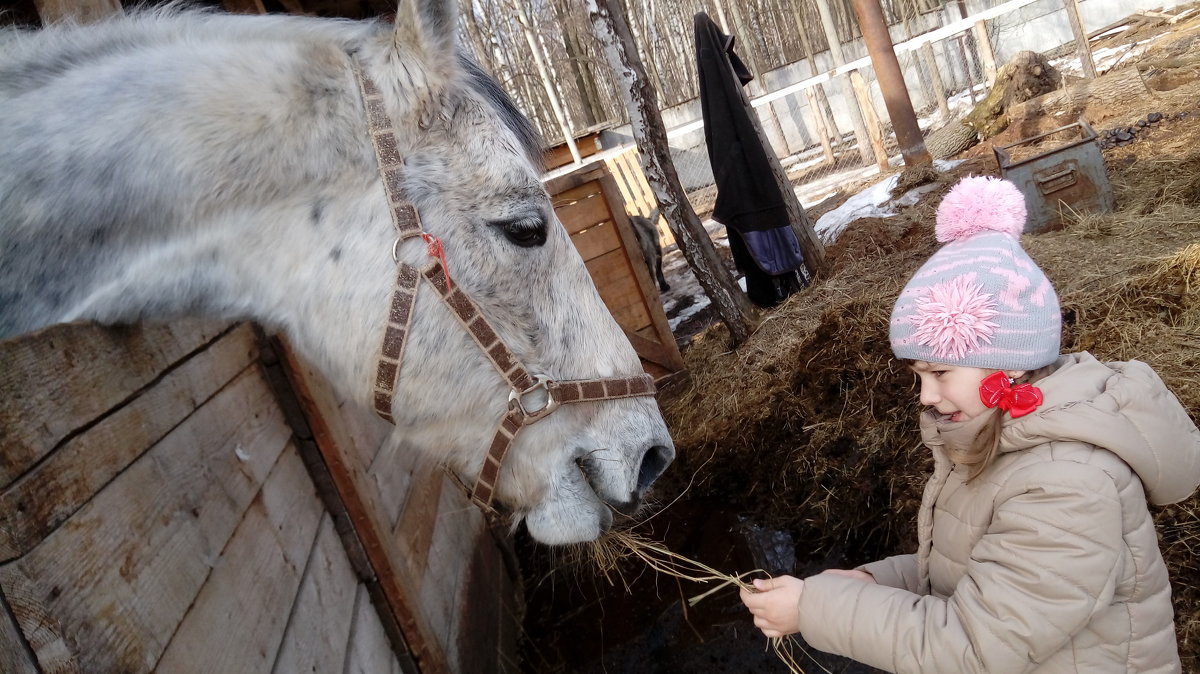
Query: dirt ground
797, 450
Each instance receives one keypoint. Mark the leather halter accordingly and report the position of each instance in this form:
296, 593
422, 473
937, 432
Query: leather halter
521, 383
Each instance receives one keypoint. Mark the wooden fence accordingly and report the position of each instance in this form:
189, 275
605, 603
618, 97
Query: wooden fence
169, 503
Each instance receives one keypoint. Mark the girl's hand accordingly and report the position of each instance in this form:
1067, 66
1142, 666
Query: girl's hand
776, 605
852, 573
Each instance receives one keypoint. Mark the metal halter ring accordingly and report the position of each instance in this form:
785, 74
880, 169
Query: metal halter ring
539, 382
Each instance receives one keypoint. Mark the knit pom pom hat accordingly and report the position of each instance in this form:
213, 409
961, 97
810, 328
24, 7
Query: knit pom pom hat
979, 301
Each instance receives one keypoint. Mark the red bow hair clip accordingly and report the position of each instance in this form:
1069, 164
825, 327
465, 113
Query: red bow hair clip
997, 390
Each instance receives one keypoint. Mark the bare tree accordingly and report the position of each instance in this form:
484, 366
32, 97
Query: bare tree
612, 32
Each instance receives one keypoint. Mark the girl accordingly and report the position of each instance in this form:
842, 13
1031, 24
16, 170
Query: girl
1036, 551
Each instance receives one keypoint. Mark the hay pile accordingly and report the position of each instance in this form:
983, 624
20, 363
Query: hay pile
811, 426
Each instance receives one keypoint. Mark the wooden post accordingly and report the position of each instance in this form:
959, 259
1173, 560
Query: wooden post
863, 95
935, 79
1081, 39
81, 11
819, 122
959, 40
984, 44
865, 149
612, 33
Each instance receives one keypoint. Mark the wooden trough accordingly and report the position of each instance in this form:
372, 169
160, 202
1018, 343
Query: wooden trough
169, 502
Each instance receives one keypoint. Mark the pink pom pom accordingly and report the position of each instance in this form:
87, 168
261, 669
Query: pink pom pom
980, 204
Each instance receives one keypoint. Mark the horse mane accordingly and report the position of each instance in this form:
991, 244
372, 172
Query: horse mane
26, 64
527, 135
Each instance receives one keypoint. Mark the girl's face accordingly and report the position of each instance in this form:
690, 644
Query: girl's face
953, 390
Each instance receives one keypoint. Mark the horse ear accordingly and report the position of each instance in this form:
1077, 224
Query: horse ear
430, 27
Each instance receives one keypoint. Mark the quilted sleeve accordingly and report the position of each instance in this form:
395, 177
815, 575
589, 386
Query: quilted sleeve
1047, 563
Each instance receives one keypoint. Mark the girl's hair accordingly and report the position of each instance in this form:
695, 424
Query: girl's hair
986, 446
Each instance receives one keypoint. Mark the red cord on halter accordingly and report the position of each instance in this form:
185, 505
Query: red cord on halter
434, 248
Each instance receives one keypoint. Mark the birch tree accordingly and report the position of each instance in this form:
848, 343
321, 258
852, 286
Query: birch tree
613, 34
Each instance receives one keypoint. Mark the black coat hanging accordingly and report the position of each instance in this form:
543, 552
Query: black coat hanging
749, 202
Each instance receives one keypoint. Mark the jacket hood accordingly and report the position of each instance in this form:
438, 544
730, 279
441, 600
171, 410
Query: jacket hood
1123, 407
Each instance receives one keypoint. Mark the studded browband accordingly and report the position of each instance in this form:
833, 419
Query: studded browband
520, 382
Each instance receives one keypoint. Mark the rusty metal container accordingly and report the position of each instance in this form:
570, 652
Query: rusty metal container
1069, 176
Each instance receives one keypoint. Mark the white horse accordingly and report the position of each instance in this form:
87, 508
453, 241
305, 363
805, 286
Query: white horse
181, 162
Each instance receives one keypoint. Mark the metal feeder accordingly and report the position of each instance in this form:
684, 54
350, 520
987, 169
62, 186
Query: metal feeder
1067, 177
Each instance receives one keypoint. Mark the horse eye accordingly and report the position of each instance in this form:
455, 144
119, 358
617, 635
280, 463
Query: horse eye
524, 232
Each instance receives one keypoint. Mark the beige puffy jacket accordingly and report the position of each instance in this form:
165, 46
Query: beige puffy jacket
1049, 560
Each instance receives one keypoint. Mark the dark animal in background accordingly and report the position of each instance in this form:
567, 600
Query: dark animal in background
647, 236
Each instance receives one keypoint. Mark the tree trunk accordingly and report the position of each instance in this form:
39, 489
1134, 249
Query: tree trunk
1110, 91
577, 62
612, 32
1028, 75
548, 81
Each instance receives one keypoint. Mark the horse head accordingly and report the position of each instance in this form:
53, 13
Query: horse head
248, 187
471, 171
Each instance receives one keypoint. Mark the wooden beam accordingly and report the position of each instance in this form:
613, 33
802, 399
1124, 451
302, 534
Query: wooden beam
79, 11
1082, 48
984, 44
244, 6
863, 95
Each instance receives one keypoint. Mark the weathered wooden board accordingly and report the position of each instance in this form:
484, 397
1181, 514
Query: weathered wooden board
115, 579
318, 632
597, 240
580, 213
418, 520
250, 592
560, 155
635, 191
613, 275
368, 641
15, 658
61, 379
53, 489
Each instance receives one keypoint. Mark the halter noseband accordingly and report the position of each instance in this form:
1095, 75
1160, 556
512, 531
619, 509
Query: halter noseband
520, 382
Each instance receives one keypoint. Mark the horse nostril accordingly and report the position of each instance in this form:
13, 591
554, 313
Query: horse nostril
654, 462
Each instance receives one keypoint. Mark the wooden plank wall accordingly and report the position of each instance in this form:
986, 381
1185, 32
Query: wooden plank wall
156, 514
589, 204
443, 581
